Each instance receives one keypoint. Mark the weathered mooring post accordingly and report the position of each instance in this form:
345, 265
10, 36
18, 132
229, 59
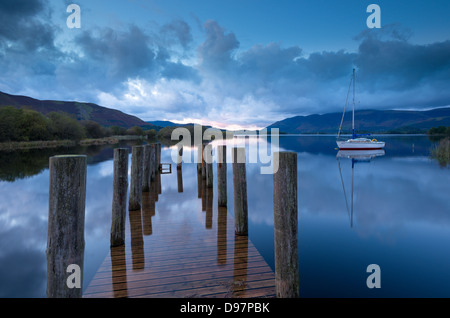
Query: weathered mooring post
203, 162
199, 158
66, 215
119, 204
158, 156
180, 157
222, 175
285, 226
209, 166
240, 192
146, 166
153, 167
135, 200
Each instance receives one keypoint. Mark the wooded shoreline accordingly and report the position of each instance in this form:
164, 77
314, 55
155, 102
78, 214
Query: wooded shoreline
17, 145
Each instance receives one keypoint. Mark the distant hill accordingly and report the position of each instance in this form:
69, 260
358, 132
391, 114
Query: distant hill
374, 121
81, 111
163, 123
160, 124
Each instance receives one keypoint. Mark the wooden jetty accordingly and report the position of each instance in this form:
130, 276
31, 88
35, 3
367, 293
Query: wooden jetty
188, 253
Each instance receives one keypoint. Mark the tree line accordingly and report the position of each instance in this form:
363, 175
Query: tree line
441, 130
30, 125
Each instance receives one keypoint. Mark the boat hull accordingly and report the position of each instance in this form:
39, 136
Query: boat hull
356, 145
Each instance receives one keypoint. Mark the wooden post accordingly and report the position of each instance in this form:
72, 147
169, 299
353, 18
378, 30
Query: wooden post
285, 226
209, 175
146, 174
66, 214
240, 192
222, 175
209, 166
154, 166
199, 158
180, 157
203, 162
158, 156
119, 204
134, 202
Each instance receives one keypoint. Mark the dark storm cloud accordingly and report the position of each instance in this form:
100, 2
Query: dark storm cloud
177, 31
180, 71
399, 65
217, 49
121, 53
270, 60
114, 56
20, 27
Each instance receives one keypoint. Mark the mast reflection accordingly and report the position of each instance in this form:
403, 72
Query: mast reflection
356, 156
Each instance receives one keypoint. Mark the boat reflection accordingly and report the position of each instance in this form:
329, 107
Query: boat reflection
356, 156
360, 155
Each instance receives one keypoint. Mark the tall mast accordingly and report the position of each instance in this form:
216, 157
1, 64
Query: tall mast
353, 113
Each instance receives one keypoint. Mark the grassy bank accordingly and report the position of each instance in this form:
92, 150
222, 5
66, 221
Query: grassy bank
441, 152
13, 145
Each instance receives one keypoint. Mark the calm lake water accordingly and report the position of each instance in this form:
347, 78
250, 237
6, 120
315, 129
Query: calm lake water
397, 216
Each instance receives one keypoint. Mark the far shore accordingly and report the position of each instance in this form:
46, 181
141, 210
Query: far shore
111, 140
17, 145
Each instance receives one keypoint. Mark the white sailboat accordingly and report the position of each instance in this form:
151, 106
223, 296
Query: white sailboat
356, 142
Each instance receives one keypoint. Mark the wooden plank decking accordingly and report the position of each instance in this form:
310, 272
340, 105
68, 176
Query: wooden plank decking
184, 253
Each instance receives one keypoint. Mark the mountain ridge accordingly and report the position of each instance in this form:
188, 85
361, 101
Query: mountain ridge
81, 111
367, 120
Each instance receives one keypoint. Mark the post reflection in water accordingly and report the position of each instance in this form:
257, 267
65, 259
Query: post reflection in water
148, 210
180, 178
137, 240
209, 207
222, 235
203, 194
158, 182
199, 185
157, 186
192, 254
119, 271
240, 265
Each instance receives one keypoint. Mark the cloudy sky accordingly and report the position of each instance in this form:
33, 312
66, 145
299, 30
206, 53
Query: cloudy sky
231, 63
